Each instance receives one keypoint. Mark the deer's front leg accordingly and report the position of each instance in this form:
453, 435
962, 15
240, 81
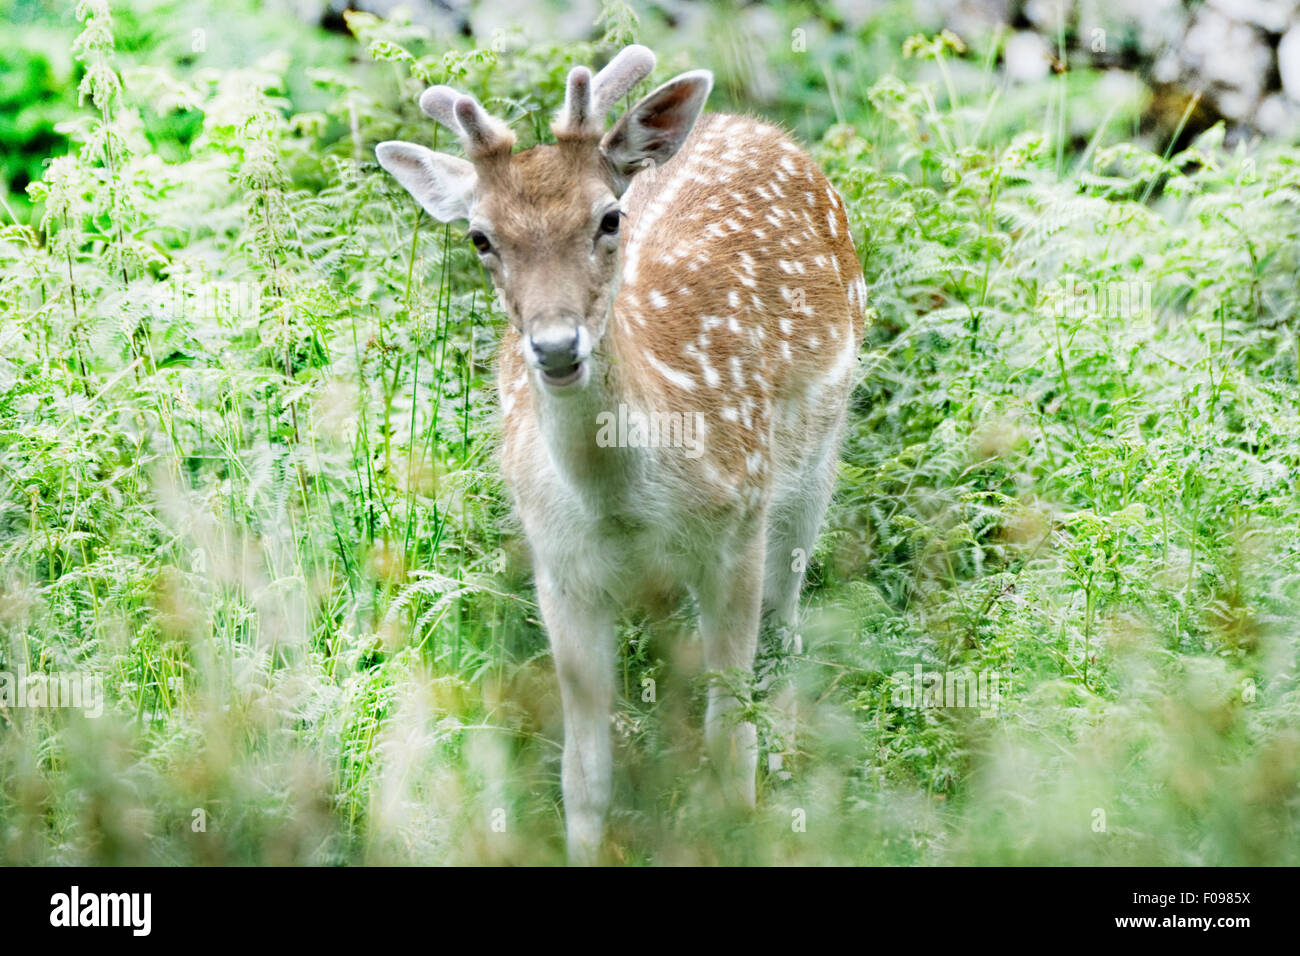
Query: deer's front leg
581, 633
730, 608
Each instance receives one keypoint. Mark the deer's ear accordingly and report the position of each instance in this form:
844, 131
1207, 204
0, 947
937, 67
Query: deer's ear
656, 127
442, 184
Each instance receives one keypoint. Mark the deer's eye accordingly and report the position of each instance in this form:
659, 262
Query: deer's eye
609, 222
481, 242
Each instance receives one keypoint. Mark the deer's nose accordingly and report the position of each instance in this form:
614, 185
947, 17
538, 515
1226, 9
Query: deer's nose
556, 346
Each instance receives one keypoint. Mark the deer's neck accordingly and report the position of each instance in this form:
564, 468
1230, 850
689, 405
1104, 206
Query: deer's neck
580, 429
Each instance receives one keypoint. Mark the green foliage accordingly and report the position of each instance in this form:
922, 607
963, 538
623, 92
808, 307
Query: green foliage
246, 476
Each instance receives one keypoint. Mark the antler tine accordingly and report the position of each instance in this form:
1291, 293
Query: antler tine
439, 102
479, 132
576, 117
632, 65
587, 99
484, 134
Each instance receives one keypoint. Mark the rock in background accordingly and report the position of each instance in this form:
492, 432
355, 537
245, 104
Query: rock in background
1203, 60
1231, 60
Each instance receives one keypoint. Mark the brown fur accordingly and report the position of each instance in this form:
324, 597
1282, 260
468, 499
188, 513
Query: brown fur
724, 237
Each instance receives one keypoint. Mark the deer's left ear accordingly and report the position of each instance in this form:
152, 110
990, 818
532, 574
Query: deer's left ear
655, 128
442, 184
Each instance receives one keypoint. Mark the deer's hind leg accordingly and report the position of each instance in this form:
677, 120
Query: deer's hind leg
730, 601
794, 521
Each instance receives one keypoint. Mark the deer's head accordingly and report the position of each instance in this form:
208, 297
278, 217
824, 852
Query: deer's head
547, 221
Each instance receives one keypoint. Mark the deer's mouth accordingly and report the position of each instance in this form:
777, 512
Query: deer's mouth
563, 377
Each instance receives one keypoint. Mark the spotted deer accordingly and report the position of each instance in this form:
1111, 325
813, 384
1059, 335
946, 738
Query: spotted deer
676, 264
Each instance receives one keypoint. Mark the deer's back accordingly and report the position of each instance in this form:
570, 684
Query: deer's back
742, 297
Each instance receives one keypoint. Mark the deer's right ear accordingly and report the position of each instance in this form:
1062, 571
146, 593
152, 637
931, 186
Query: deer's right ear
442, 184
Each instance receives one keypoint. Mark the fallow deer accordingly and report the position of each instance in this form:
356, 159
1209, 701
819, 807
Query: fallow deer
669, 267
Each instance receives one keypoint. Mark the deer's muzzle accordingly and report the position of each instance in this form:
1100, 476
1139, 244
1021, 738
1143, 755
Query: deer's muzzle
557, 346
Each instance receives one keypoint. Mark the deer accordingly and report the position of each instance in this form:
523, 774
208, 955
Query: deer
677, 263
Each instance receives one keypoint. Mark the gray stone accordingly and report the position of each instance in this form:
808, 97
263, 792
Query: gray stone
1271, 15
1228, 57
1049, 16
1150, 25
1277, 116
1288, 63
966, 18
1228, 51
535, 21
1026, 55
854, 13
1168, 68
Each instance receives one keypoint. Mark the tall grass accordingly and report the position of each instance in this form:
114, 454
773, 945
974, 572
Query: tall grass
247, 483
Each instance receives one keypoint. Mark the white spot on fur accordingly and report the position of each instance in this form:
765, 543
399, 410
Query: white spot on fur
843, 361
737, 372
676, 376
